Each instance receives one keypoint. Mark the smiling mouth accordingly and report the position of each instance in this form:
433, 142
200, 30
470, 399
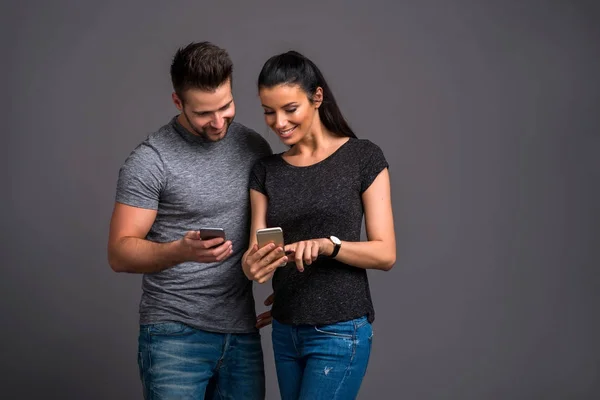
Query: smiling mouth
287, 132
214, 132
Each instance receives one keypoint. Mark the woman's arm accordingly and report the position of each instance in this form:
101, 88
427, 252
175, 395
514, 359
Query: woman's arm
378, 252
258, 208
259, 264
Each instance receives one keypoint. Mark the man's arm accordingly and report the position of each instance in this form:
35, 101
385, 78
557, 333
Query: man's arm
129, 251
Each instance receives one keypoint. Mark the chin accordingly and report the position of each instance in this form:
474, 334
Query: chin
288, 141
215, 137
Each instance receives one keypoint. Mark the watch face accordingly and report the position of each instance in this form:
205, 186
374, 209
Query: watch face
335, 240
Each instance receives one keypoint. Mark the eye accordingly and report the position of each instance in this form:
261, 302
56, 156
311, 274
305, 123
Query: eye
291, 110
269, 112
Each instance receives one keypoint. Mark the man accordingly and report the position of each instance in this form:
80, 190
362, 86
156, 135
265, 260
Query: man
197, 317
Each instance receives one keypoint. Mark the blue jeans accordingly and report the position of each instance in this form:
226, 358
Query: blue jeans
321, 362
177, 361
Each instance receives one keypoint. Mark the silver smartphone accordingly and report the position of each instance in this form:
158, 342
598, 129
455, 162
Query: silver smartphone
211, 233
266, 235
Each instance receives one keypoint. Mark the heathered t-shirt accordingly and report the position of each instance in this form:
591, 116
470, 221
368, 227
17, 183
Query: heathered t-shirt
194, 183
312, 202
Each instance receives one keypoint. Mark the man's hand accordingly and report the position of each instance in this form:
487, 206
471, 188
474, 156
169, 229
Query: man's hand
259, 264
265, 318
205, 251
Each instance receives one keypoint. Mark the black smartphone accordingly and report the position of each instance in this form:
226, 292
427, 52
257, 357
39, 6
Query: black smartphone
211, 233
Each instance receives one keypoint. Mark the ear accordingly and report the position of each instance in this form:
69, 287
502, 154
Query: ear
317, 98
177, 101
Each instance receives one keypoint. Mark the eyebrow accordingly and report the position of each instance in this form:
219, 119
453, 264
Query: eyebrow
210, 111
285, 105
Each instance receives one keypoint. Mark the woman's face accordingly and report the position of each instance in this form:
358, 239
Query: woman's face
288, 111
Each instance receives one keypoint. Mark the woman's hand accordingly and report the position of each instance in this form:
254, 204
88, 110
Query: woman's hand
259, 264
307, 251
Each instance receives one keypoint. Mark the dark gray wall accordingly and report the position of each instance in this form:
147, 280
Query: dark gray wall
486, 111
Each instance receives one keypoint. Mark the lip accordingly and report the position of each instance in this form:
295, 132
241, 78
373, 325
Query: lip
285, 133
216, 133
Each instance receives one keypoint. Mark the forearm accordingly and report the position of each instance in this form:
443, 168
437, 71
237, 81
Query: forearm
373, 254
135, 255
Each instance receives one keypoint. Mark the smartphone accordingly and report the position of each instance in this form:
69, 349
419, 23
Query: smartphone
266, 235
211, 233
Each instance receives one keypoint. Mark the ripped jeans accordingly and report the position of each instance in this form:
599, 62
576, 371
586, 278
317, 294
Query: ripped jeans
321, 362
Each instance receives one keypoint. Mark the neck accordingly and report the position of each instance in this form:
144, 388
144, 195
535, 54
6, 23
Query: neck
316, 140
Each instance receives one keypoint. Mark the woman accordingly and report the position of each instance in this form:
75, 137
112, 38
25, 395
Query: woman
317, 192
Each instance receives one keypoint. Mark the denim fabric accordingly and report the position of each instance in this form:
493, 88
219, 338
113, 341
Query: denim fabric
177, 361
321, 362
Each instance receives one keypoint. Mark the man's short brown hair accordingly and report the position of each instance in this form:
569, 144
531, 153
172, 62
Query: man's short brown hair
202, 65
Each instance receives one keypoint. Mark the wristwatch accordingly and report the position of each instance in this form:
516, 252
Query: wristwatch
337, 243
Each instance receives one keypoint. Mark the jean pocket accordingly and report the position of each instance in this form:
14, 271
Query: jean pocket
361, 321
169, 329
341, 329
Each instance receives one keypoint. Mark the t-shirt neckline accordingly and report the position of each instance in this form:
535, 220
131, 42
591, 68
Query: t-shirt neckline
329, 157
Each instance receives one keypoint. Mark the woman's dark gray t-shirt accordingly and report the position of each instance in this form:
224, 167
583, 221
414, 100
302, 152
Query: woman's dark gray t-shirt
318, 201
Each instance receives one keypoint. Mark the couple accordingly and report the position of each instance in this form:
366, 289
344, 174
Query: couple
199, 334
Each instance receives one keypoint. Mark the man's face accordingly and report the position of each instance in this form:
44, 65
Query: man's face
207, 114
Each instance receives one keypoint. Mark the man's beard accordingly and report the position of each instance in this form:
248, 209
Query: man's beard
202, 132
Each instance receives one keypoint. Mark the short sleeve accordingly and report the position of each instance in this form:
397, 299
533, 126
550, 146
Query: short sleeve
258, 176
373, 163
141, 178
259, 145
265, 148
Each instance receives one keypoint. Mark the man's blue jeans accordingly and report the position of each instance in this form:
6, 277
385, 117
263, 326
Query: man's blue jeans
321, 362
177, 361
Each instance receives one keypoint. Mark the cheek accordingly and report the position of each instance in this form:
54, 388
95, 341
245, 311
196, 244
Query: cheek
200, 121
270, 119
229, 113
304, 117
195, 120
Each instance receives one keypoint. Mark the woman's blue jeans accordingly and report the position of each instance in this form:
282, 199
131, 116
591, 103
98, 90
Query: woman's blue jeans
321, 362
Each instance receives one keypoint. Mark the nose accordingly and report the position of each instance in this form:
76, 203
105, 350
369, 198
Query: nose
280, 121
218, 121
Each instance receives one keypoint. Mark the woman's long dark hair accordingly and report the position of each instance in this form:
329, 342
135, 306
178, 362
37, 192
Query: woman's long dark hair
292, 68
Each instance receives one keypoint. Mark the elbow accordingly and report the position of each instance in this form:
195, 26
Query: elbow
115, 266
114, 262
388, 262
116, 255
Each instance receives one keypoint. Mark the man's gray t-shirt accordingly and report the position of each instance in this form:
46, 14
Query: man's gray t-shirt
194, 183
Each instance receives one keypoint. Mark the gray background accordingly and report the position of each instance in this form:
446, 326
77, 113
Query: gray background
486, 111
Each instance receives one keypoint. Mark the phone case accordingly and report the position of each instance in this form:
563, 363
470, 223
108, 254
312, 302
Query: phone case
211, 233
264, 236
